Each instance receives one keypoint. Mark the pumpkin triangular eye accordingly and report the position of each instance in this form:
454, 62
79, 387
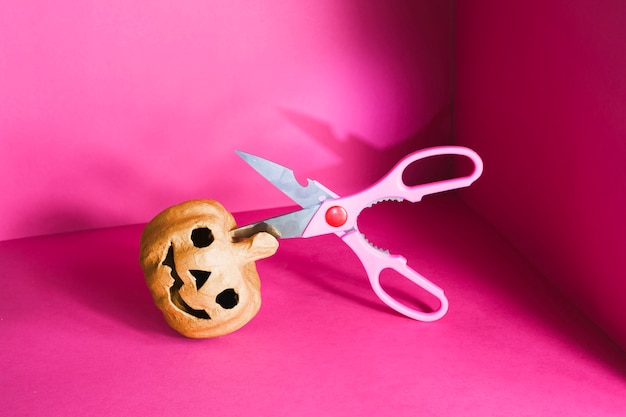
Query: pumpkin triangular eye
202, 237
200, 276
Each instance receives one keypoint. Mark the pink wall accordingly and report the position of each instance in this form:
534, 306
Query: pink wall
540, 93
114, 110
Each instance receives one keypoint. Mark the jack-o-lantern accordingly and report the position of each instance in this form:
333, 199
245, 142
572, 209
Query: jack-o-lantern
205, 283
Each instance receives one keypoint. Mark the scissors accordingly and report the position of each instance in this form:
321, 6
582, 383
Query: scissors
324, 212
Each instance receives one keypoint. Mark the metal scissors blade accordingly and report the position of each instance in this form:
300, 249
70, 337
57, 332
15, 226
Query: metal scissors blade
284, 179
284, 226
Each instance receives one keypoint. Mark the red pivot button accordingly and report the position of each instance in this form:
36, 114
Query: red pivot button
336, 216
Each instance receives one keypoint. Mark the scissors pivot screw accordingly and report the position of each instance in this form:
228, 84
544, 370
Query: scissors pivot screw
336, 216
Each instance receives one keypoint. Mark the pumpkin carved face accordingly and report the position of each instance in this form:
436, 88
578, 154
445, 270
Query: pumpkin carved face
205, 284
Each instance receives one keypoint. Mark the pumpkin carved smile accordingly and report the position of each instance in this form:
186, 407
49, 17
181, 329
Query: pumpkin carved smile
175, 297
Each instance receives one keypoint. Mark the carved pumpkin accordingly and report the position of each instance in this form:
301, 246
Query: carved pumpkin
205, 284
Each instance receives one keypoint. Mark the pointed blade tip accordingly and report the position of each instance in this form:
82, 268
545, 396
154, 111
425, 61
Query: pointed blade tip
245, 155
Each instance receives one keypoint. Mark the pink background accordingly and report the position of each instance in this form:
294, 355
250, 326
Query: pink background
112, 111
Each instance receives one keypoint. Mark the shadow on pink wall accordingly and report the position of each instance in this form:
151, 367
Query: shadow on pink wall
357, 155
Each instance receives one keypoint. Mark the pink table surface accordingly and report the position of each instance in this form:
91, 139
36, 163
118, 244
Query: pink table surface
80, 335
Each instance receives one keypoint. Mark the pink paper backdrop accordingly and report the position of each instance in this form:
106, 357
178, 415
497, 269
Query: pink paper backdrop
113, 110
540, 93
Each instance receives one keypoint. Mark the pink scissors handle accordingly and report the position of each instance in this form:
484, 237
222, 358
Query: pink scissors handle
339, 215
376, 261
